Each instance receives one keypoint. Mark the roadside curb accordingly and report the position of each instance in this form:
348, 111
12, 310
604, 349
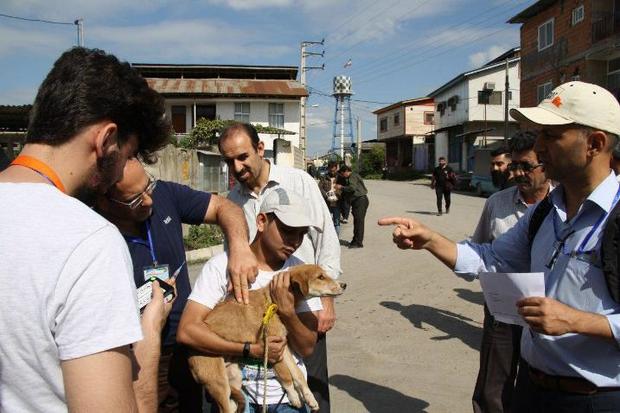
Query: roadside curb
203, 254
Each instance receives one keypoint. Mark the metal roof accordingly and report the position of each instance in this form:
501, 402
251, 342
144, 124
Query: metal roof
192, 71
228, 87
416, 101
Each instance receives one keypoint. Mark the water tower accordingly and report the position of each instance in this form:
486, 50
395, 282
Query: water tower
343, 123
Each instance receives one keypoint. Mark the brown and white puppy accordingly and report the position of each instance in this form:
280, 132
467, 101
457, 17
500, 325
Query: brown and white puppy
243, 323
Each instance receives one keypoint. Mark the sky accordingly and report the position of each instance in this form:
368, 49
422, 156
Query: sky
399, 49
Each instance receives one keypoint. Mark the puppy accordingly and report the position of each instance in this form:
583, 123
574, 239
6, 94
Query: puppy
243, 323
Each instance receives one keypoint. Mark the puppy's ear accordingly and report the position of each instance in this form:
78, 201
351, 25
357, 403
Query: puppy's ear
299, 283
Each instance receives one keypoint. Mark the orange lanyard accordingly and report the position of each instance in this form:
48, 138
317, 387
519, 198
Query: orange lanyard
41, 168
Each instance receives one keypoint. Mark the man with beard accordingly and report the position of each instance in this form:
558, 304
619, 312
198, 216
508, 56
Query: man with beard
443, 181
500, 175
68, 308
243, 152
499, 353
569, 352
149, 214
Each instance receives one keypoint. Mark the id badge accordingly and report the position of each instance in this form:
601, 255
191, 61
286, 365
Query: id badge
160, 271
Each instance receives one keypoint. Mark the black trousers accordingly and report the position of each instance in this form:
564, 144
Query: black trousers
445, 193
178, 391
499, 358
318, 379
359, 206
345, 207
530, 398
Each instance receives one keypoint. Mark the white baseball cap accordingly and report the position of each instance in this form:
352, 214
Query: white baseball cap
575, 102
289, 207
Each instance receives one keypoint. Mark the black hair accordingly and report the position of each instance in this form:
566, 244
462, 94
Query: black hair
247, 128
344, 168
331, 164
502, 150
522, 141
442, 158
86, 86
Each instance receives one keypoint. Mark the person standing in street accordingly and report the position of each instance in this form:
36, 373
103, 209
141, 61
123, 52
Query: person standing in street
443, 182
149, 214
331, 193
356, 193
243, 152
499, 352
570, 360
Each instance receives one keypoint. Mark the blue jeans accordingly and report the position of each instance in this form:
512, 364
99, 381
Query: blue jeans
274, 408
335, 211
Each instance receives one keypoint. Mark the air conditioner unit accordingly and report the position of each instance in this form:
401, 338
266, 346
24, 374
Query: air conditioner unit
489, 85
441, 106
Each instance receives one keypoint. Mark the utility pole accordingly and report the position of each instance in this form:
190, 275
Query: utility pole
80, 31
358, 149
506, 96
302, 78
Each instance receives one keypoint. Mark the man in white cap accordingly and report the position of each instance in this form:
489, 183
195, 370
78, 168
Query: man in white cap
281, 224
570, 352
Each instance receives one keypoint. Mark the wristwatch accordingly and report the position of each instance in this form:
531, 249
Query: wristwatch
246, 350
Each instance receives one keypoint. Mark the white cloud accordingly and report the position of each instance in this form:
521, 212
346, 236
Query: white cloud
252, 4
480, 58
184, 41
69, 10
35, 42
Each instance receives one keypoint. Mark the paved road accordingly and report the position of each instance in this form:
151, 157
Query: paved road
408, 330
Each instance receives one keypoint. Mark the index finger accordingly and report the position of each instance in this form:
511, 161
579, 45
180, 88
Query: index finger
394, 221
529, 301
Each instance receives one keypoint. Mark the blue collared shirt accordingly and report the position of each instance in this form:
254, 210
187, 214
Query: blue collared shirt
575, 280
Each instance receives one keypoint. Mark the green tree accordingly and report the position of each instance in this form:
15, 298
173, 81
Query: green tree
372, 162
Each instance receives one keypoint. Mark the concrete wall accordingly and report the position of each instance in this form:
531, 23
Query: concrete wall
392, 129
475, 83
414, 115
452, 117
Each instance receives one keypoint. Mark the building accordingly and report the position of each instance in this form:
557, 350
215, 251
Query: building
470, 112
265, 95
568, 40
405, 128
13, 126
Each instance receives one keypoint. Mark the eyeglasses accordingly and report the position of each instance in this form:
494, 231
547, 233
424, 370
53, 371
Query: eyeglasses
523, 166
139, 199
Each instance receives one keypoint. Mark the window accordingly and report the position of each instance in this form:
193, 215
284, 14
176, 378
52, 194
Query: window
543, 90
242, 112
429, 117
205, 111
509, 95
489, 97
383, 125
441, 108
545, 35
178, 119
276, 115
578, 15
397, 119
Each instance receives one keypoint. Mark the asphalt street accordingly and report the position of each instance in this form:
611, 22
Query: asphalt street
408, 331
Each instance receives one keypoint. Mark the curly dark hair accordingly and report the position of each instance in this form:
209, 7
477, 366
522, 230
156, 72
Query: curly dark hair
86, 86
522, 141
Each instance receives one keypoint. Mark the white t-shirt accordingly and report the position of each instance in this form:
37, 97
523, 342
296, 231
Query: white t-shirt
67, 292
211, 288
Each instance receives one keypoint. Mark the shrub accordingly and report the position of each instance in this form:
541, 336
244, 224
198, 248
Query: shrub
203, 236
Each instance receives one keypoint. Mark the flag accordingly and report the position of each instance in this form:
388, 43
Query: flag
349, 63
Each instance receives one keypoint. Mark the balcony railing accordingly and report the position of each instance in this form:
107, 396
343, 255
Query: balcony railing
605, 24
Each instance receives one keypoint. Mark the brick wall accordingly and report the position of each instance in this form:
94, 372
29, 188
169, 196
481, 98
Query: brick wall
565, 58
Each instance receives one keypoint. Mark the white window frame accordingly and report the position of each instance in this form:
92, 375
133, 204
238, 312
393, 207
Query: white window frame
551, 21
240, 114
276, 118
547, 87
577, 15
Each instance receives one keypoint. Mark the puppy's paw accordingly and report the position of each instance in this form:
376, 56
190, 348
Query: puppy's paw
311, 401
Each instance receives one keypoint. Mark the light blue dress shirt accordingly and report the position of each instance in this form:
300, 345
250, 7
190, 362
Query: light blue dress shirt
574, 279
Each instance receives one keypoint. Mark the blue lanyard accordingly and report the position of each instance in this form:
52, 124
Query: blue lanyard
137, 240
581, 249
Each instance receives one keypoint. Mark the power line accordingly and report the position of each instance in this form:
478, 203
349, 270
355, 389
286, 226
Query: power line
354, 16
38, 20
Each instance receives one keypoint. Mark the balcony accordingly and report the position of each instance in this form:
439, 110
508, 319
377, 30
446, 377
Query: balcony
541, 60
604, 25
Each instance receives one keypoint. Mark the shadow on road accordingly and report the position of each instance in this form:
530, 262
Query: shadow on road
454, 325
422, 212
377, 398
474, 297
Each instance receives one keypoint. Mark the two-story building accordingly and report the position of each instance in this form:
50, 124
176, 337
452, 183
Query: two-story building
469, 110
265, 95
404, 127
564, 40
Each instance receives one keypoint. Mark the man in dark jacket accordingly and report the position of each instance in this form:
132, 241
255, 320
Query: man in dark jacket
443, 183
355, 192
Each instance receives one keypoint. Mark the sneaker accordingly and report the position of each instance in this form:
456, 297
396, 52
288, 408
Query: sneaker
343, 220
439, 214
355, 245
447, 210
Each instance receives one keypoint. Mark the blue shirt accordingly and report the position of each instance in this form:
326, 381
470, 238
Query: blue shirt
575, 280
173, 204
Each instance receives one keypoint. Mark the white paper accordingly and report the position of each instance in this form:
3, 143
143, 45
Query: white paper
503, 290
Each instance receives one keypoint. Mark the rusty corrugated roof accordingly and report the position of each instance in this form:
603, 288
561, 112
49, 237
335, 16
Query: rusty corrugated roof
228, 87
